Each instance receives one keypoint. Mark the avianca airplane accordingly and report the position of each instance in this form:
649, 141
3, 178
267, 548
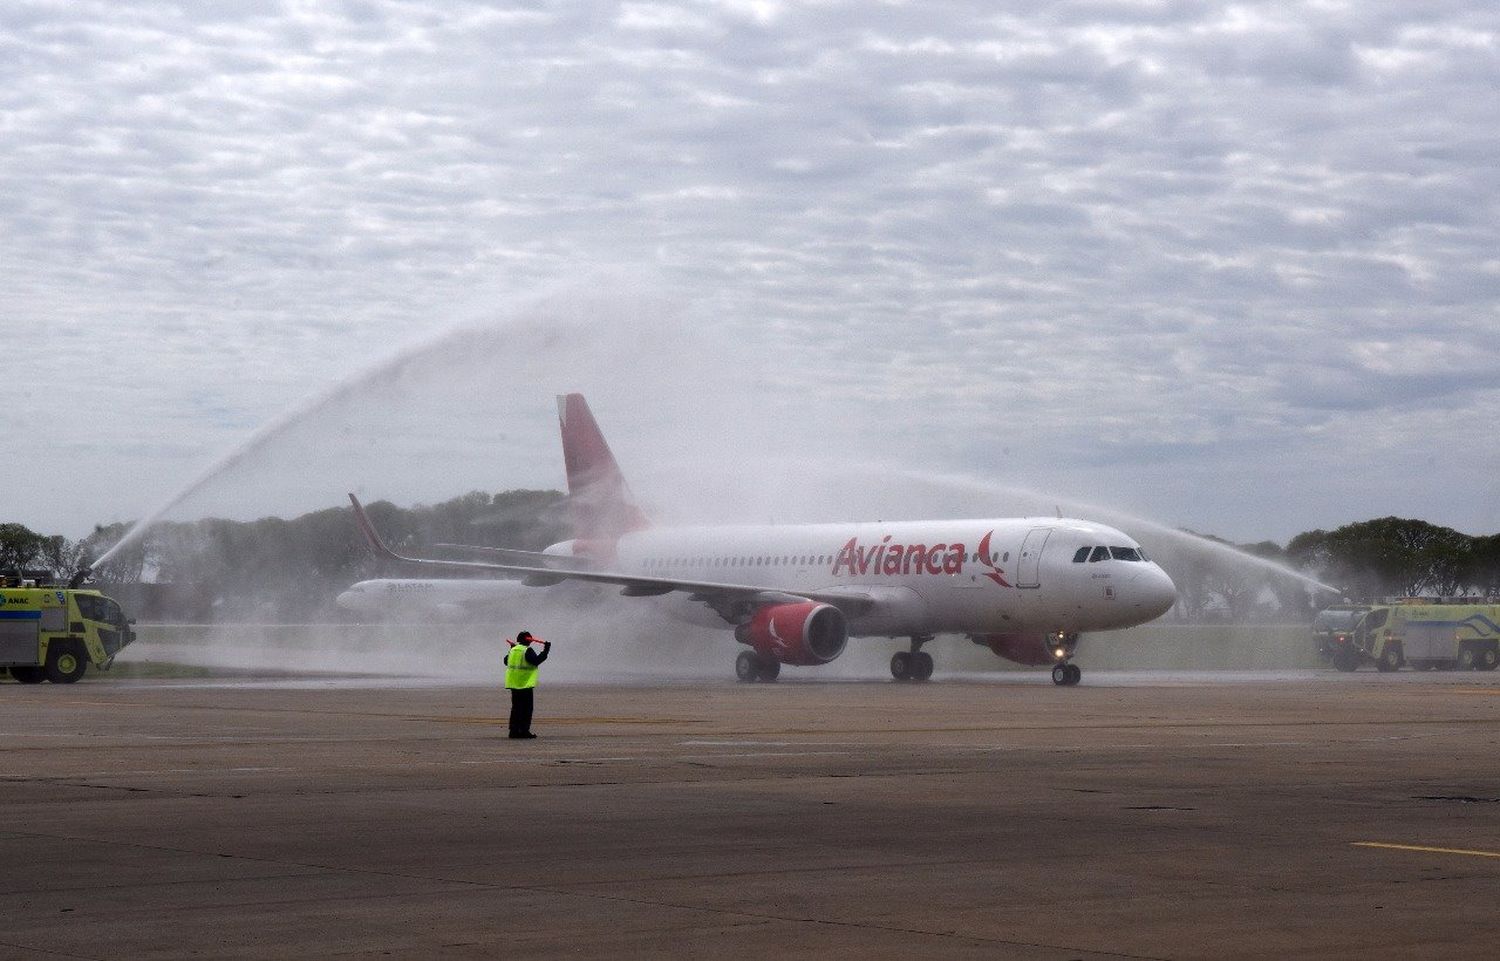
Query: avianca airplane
1026, 587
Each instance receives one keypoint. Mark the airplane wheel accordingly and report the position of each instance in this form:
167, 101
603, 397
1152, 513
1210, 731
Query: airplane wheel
901, 665
746, 667
921, 666
1061, 675
769, 670
1075, 674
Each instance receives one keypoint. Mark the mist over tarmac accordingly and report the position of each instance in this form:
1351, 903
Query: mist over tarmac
703, 436
626, 641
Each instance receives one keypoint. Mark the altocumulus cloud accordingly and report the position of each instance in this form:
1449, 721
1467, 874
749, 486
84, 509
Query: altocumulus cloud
1202, 257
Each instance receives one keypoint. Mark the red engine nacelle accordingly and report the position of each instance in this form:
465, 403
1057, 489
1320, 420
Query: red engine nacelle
1037, 650
804, 633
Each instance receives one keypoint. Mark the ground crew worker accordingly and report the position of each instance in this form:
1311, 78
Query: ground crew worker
521, 662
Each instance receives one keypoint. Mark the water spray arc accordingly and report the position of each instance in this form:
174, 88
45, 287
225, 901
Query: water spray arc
390, 368
1196, 541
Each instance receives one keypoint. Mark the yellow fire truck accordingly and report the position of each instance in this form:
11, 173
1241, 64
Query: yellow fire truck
1422, 634
55, 633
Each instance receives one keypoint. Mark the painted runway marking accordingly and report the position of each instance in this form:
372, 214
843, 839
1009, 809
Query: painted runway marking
651, 758
702, 757
722, 743
1426, 850
152, 773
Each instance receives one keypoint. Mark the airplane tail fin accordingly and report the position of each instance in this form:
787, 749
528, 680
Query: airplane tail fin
372, 536
600, 501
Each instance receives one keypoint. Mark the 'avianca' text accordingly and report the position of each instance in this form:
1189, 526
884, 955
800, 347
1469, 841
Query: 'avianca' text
888, 558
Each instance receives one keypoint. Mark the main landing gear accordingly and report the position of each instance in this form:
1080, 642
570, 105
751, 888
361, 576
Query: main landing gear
1066, 674
915, 664
750, 667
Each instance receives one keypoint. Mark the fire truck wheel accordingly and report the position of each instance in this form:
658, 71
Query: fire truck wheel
65, 664
1487, 660
1346, 661
28, 675
1390, 659
1466, 659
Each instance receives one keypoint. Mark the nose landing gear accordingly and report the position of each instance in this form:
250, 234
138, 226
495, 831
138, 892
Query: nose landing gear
1065, 673
913, 665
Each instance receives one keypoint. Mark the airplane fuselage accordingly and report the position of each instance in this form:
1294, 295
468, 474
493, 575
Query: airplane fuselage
931, 577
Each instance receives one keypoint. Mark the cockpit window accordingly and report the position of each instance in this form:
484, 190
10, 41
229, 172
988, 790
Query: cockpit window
1082, 555
96, 608
1100, 554
1124, 553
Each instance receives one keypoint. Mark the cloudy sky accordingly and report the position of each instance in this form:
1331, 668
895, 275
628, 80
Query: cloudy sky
1229, 266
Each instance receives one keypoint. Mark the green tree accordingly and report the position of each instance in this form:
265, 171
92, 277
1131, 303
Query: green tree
1388, 556
1484, 565
21, 547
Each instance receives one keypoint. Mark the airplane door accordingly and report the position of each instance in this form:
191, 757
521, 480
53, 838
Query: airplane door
1029, 565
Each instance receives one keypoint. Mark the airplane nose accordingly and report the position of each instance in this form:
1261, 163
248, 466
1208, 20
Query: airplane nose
1153, 592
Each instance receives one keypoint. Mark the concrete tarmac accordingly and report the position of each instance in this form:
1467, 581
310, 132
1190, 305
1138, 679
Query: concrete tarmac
1181, 816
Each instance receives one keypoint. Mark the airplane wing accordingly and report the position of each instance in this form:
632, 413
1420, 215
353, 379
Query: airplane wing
512, 554
716, 594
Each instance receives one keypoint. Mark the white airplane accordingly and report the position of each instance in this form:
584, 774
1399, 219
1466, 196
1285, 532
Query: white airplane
448, 599
1024, 586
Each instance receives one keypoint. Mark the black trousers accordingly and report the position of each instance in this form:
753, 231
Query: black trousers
520, 709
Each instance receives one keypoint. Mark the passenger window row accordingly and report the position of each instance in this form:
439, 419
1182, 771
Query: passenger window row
785, 560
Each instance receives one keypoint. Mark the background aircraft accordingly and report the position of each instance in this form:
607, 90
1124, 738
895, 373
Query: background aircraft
443, 599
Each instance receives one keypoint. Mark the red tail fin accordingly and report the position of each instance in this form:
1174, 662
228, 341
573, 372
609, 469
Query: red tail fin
597, 495
372, 536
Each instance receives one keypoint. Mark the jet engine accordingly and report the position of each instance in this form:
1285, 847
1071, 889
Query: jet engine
1037, 650
801, 633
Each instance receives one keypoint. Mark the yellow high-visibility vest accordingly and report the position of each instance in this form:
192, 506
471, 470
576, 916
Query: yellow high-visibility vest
518, 674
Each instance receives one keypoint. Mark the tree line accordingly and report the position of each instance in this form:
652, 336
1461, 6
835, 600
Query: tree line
1366, 560
275, 570
290, 570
